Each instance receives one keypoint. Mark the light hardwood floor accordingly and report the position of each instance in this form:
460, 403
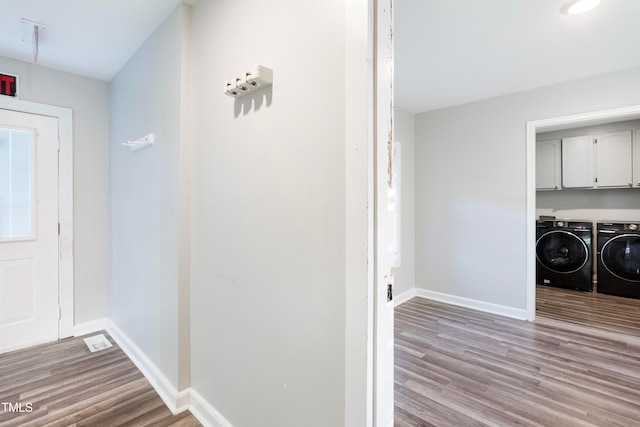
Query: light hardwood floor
67, 385
577, 365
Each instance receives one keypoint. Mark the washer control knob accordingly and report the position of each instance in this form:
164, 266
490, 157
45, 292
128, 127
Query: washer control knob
633, 227
560, 223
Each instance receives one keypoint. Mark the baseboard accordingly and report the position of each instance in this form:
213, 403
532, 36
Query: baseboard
487, 307
183, 399
90, 327
176, 402
205, 413
404, 297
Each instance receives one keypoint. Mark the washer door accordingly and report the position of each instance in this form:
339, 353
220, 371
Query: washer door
562, 252
621, 256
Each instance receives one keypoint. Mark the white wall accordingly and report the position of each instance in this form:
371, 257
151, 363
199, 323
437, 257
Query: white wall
145, 200
89, 100
268, 248
404, 131
471, 185
593, 205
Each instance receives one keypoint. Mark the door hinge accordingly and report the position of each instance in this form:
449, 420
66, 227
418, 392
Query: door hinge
595, 141
389, 292
59, 312
595, 180
58, 229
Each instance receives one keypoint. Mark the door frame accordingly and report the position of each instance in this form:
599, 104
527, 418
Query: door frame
556, 123
383, 260
65, 202
368, 108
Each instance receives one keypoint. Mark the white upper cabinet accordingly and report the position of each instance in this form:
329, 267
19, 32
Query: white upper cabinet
577, 162
548, 165
614, 165
597, 161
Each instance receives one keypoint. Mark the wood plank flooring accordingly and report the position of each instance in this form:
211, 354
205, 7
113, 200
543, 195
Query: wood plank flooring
572, 367
67, 385
577, 365
606, 313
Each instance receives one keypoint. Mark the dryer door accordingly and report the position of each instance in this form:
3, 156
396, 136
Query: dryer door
621, 256
562, 252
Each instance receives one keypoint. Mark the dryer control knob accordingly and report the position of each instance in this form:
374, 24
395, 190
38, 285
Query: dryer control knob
560, 224
633, 227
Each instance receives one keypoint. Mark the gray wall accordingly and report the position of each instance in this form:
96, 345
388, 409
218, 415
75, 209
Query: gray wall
268, 242
89, 100
404, 131
471, 185
145, 198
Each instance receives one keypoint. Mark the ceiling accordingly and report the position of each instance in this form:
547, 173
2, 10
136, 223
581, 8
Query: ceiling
93, 38
458, 51
447, 52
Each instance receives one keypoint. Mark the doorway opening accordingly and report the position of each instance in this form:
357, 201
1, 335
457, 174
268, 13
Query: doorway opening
548, 125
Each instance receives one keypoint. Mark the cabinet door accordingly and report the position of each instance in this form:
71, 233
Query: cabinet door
548, 165
636, 158
577, 162
614, 160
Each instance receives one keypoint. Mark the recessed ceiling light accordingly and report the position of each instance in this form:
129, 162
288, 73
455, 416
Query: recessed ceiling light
581, 6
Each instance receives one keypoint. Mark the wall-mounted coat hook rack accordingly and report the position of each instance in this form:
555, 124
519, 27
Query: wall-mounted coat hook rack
251, 81
140, 143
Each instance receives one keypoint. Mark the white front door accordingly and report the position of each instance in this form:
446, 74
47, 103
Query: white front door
29, 310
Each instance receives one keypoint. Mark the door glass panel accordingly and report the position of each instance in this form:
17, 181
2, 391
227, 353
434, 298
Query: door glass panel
621, 256
16, 184
562, 252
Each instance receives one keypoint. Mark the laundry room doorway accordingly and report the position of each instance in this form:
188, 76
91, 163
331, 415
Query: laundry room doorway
549, 125
36, 225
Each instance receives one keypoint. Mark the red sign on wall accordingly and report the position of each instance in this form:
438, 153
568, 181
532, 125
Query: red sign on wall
8, 85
